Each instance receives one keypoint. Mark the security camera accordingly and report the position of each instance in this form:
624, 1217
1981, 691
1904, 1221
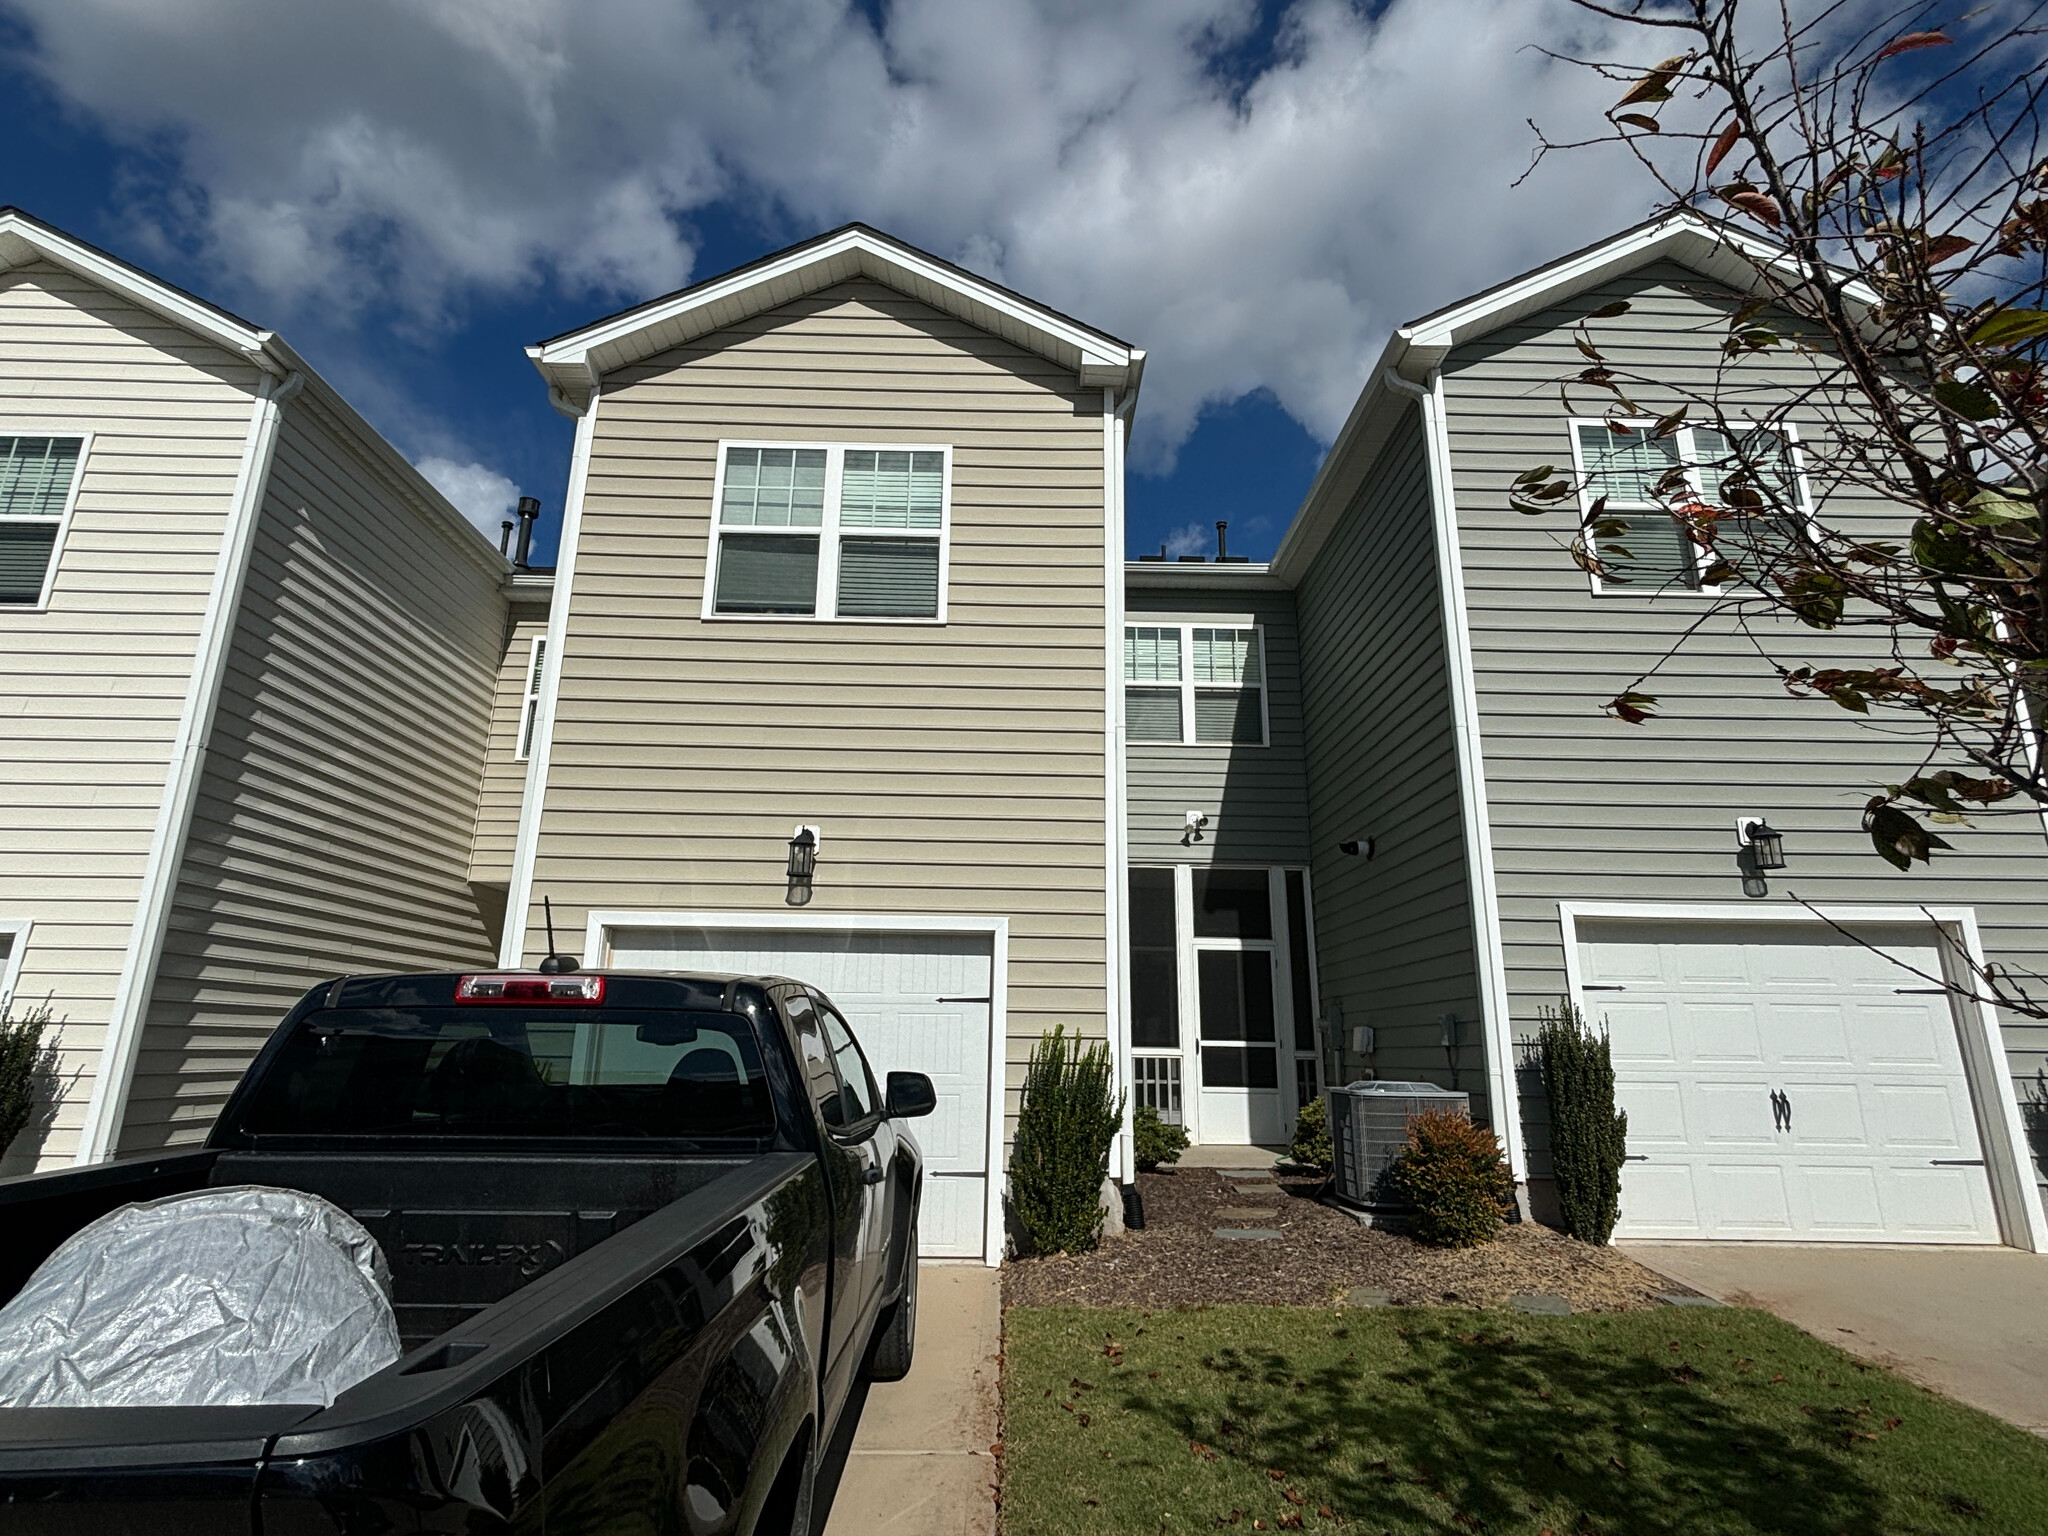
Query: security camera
1356, 847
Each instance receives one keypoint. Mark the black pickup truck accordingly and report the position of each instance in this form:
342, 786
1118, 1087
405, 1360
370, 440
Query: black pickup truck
644, 1233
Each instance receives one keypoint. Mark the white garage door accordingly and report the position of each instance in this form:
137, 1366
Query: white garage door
1786, 1084
918, 1002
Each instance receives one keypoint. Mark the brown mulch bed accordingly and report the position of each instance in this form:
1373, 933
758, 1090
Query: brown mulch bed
1320, 1255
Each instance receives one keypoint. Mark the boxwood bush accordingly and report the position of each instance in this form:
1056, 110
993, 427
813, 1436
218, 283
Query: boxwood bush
1155, 1141
1065, 1127
1311, 1145
1451, 1172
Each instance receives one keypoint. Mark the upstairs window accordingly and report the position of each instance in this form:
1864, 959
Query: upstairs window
1193, 684
1641, 476
830, 532
37, 476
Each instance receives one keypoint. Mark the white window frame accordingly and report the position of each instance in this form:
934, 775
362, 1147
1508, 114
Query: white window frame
84, 436
529, 703
1185, 628
17, 929
826, 599
1789, 431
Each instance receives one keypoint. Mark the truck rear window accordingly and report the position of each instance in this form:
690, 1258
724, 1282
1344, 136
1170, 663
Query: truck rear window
514, 1072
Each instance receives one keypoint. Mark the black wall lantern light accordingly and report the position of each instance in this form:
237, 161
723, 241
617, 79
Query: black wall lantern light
1762, 848
803, 863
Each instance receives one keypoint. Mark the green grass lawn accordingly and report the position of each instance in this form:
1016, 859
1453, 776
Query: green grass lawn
1411, 1419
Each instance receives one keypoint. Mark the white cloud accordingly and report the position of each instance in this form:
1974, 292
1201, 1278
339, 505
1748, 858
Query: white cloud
1260, 234
480, 493
1190, 539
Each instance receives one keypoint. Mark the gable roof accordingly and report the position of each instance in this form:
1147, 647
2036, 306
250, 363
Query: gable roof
574, 362
25, 239
1416, 350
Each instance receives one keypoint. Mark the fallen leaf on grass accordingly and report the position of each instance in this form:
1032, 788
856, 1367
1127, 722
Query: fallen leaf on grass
1278, 1477
1290, 1521
1096, 1502
1151, 1375
1776, 1379
1894, 1422
1326, 1512
1084, 1420
1292, 1497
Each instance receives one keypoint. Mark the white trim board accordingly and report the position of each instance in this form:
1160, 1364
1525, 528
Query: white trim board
1116, 934
519, 895
997, 929
99, 1137
2007, 1158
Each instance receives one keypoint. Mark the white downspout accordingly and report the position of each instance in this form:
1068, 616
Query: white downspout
99, 1138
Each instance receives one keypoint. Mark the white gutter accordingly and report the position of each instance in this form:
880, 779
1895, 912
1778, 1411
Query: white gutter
512, 945
99, 1139
1493, 979
1117, 835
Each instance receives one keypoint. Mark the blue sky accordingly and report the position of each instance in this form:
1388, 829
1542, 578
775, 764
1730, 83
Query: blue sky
412, 190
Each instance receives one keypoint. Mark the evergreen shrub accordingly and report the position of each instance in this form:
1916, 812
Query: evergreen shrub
25, 1062
1155, 1141
1588, 1135
1451, 1172
1068, 1120
1311, 1145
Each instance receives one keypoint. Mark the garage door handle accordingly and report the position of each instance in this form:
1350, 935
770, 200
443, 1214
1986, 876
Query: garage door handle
1636, 1157
1955, 1162
963, 999
1602, 986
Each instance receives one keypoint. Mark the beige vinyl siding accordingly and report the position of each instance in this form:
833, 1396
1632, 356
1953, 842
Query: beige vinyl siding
1256, 797
1394, 934
93, 688
504, 781
1584, 807
956, 769
338, 796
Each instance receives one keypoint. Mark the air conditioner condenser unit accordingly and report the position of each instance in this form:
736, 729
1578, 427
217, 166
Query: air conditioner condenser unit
1369, 1126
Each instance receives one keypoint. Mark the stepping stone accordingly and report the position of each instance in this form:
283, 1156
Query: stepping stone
1247, 1213
1673, 1299
1229, 1174
1366, 1296
1245, 1234
1256, 1191
1541, 1305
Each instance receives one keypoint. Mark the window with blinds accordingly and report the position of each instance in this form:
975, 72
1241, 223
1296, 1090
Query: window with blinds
1641, 546
1196, 685
36, 475
829, 532
529, 706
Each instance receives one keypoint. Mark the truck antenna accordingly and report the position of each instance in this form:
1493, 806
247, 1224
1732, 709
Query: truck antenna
555, 964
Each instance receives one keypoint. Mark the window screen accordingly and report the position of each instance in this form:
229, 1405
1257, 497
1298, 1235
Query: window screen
1232, 904
1151, 655
1229, 717
1625, 467
1155, 972
1152, 714
1228, 656
35, 484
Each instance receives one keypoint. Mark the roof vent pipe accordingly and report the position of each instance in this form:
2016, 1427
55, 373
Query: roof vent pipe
529, 514
505, 537
1221, 553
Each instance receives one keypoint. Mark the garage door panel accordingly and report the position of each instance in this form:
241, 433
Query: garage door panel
889, 986
1843, 1200
1827, 1115
1810, 1034
1641, 1034
1656, 1113
1660, 1199
1922, 1118
1749, 1199
1724, 1034
1732, 1114
1708, 1020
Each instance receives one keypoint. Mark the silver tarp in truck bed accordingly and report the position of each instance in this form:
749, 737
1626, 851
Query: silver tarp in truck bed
229, 1296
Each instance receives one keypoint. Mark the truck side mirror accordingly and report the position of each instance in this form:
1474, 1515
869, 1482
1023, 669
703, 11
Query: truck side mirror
910, 1095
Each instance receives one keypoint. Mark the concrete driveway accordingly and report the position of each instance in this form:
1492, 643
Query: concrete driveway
917, 1459
1969, 1322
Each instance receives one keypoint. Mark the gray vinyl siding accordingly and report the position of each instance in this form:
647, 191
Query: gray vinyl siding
1256, 798
955, 768
337, 801
1586, 808
94, 687
1394, 935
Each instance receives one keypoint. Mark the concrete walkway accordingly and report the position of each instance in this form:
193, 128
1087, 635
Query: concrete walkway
1969, 1322
919, 1462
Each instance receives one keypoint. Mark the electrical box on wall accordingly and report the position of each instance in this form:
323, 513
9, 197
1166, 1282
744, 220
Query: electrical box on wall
1361, 1039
